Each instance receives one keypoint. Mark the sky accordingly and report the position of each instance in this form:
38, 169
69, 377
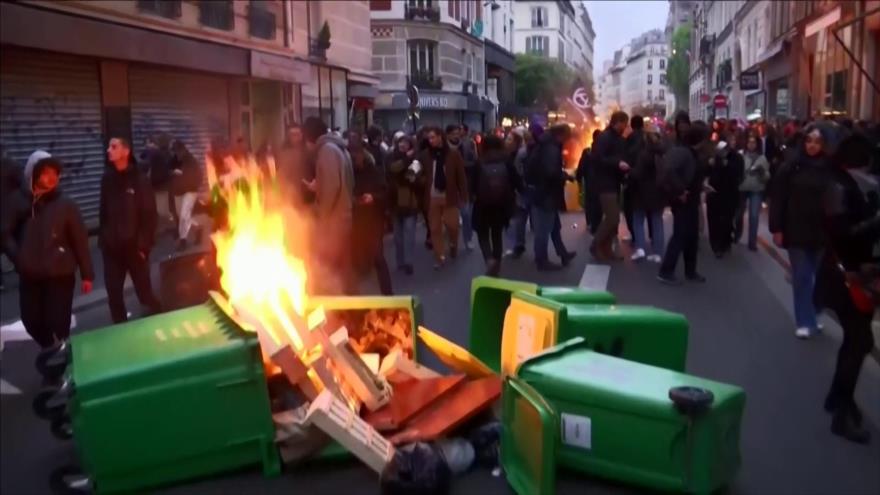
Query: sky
617, 22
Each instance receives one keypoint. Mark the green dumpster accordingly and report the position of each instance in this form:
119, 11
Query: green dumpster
635, 423
638, 333
490, 298
528, 439
168, 398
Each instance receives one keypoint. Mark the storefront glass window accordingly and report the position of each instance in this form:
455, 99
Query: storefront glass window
326, 101
311, 105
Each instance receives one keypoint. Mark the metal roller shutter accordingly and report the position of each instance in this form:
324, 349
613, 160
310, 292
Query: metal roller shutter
193, 108
53, 102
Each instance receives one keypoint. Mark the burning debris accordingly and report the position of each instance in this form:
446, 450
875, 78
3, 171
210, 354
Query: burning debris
342, 363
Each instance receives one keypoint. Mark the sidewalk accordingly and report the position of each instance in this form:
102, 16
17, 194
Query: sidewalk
9, 298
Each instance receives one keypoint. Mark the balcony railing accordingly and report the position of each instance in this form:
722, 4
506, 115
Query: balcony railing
262, 23
316, 50
422, 13
426, 80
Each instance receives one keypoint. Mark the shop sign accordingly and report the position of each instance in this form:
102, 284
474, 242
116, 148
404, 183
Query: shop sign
433, 101
749, 80
278, 68
720, 101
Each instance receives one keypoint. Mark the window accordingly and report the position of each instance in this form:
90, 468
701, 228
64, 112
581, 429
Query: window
216, 14
261, 21
538, 45
561, 54
421, 60
650, 79
561, 21
162, 8
662, 63
650, 95
662, 95
835, 91
539, 17
663, 79
422, 4
650, 63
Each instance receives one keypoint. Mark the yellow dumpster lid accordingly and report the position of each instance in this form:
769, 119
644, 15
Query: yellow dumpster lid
452, 355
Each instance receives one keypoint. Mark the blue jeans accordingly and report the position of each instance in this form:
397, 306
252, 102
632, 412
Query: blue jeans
467, 226
404, 238
754, 200
517, 230
547, 227
804, 265
658, 240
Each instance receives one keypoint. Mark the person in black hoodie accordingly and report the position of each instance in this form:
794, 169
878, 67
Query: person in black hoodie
725, 175
47, 241
648, 202
680, 179
186, 178
545, 173
796, 221
586, 173
496, 183
852, 227
127, 228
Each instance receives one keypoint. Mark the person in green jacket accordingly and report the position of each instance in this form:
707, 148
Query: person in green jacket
757, 174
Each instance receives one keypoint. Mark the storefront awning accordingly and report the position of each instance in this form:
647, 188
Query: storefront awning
278, 68
362, 91
355, 76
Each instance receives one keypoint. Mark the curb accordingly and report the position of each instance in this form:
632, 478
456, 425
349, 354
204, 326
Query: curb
784, 263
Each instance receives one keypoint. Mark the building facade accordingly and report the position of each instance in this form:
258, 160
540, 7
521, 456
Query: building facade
681, 13
788, 60
188, 71
500, 63
644, 87
436, 46
549, 29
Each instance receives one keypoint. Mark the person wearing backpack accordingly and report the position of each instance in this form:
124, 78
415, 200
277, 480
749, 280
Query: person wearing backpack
496, 183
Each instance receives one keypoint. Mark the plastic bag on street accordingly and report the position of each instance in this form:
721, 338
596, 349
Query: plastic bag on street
296, 441
417, 469
458, 453
486, 441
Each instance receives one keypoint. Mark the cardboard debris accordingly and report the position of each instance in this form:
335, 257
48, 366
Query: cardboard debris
372, 390
455, 408
409, 399
397, 362
371, 360
296, 439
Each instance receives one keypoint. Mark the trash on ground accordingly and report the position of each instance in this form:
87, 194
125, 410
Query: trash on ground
416, 469
458, 453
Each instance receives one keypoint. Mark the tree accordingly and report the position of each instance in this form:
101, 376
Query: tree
678, 68
541, 81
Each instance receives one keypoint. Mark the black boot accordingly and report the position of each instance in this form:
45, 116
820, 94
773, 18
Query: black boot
844, 424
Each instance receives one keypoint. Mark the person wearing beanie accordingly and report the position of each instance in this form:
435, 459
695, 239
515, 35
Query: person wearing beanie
128, 221
47, 241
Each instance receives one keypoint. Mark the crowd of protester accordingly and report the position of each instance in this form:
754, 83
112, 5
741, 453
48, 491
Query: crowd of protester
818, 178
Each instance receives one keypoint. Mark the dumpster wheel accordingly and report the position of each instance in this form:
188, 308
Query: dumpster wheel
61, 427
70, 480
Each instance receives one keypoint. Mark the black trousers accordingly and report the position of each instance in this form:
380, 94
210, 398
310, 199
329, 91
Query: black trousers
45, 307
858, 340
685, 238
720, 212
382, 272
593, 211
119, 263
491, 242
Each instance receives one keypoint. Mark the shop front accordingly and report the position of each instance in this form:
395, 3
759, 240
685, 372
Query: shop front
326, 96
435, 109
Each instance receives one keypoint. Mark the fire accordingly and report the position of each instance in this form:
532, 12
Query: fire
259, 272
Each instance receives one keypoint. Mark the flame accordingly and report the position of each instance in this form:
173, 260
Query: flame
259, 272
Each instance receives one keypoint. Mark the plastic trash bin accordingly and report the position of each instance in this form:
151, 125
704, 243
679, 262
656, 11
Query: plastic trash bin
528, 439
638, 333
168, 398
575, 295
618, 419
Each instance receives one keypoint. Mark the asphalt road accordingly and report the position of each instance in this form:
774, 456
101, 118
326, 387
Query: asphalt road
741, 333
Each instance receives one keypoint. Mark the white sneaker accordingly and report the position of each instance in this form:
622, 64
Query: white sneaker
638, 254
802, 333
655, 258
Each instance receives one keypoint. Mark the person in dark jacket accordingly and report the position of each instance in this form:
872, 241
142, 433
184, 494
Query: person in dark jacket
157, 162
47, 241
681, 181
547, 176
293, 167
519, 152
725, 176
446, 192
610, 168
635, 144
370, 202
496, 184
852, 227
127, 214
186, 179
406, 177
796, 221
586, 173
648, 202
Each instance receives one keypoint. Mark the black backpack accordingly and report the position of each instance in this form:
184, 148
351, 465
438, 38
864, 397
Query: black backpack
532, 166
494, 184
